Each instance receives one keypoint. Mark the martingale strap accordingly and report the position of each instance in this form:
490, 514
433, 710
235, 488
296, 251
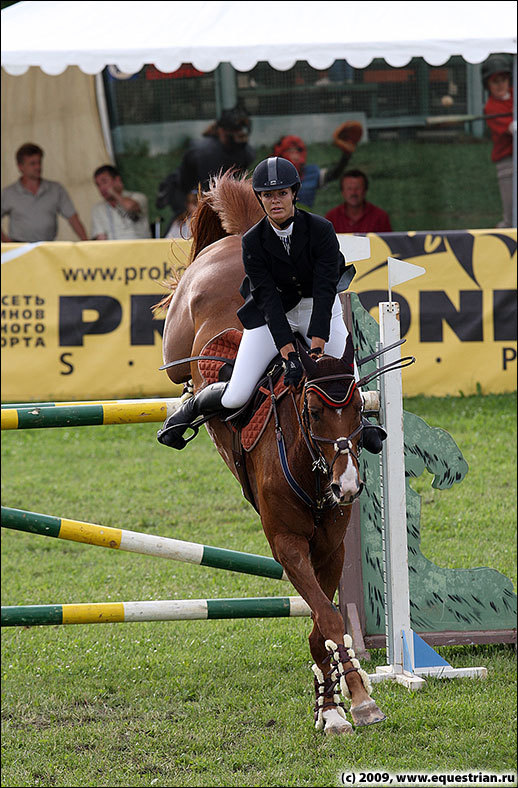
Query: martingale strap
281, 448
283, 457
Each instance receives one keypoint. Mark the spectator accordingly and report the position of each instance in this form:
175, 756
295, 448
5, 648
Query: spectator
121, 215
33, 203
496, 76
224, 146
312, 176
355, 214
181, 226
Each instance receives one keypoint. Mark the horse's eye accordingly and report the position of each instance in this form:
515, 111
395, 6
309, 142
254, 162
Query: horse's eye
315, 414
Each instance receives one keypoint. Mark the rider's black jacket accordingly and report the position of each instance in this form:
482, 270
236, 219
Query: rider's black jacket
275, 282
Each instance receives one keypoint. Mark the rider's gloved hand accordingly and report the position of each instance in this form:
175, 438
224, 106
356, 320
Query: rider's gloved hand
316, 352
293, 370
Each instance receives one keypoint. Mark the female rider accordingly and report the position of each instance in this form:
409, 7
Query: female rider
293, 265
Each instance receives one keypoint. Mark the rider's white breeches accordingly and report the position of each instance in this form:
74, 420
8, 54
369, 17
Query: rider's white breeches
257, 349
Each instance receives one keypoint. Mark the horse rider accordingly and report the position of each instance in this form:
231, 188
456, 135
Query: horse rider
293, 271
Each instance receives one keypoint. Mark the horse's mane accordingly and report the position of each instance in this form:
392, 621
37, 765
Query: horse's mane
228, 207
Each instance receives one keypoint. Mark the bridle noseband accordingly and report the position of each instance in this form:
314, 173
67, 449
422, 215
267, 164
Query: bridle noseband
341, 446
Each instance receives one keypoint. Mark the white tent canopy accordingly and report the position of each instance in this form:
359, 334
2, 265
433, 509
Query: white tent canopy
94, 34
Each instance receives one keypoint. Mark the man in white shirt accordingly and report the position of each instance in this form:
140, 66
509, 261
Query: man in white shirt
121, 215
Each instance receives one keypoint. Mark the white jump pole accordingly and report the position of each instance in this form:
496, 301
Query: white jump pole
409, 658
393, 509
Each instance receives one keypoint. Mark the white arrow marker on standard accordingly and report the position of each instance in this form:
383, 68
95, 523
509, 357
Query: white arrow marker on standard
399, 272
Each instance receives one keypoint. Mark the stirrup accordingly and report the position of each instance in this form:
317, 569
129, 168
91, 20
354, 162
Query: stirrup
178, 442
373, 436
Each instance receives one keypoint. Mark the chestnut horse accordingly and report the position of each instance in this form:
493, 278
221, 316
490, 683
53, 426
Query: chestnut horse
319, 427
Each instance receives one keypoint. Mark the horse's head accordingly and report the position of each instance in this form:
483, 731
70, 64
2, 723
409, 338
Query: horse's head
331, 412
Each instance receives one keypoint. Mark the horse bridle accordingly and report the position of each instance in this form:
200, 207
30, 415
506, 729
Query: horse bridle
343, 444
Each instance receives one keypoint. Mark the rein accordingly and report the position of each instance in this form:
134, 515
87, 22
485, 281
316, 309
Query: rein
283, 456
399, 363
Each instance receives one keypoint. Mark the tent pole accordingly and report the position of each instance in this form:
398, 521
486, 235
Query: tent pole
226, 87
102, 107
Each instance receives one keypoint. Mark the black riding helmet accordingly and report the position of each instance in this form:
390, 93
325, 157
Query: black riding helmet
275, 173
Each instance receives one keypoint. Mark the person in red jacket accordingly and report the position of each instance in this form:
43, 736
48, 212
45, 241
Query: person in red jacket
496, 76
355, 214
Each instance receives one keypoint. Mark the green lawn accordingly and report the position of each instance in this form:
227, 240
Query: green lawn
225, 703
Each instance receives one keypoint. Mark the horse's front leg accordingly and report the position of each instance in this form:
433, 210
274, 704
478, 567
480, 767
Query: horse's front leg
336, 667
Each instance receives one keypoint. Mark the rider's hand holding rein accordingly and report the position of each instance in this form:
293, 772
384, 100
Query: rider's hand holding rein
293, 369
317, 347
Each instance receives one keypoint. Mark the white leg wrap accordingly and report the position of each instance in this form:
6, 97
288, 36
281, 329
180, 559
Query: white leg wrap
320, 720
339, 670
319, 711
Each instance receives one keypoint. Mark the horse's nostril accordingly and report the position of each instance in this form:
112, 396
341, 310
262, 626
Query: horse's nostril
335, 489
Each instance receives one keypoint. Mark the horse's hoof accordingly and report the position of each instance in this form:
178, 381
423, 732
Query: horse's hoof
336, 724
367, 713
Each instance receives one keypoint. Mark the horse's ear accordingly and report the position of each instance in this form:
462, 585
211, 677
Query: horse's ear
348, 355
309, 364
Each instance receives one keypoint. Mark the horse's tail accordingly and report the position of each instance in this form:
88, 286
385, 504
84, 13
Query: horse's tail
206, 227
234, 201
228, 207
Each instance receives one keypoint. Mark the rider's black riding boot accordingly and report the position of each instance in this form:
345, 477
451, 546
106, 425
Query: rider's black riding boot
372, 436
205, 403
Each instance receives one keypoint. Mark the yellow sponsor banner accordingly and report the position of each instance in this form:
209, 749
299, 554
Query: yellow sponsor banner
459, 318
77, 321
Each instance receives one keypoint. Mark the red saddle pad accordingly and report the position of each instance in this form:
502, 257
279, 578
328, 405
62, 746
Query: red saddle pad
226, 344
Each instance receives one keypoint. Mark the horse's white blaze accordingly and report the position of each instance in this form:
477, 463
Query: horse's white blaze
349, 481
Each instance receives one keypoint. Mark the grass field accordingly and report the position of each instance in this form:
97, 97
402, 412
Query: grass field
423, 185
225, 703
